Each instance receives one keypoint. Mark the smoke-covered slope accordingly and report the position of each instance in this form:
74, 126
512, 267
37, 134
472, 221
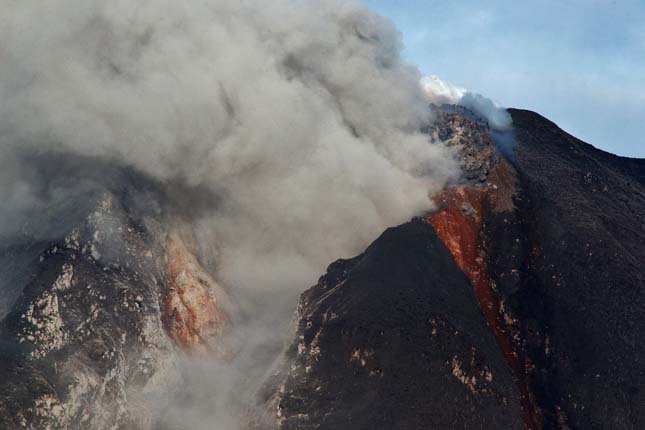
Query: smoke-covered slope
93, 334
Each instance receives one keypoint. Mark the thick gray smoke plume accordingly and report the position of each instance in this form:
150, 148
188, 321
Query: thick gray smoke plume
299, 116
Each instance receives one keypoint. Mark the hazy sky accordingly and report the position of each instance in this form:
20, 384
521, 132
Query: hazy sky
580, 63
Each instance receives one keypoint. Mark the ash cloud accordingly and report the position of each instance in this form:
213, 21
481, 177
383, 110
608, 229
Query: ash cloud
299, 116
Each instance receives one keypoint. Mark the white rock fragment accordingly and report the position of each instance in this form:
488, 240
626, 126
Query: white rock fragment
96, 255
64, 280
45, 327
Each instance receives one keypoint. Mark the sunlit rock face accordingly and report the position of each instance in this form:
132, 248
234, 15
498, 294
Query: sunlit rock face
87, 342
193, 316
538, 250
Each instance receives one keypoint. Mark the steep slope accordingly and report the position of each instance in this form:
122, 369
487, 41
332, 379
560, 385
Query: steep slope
394, 339
581, 296
550, 237
551, 242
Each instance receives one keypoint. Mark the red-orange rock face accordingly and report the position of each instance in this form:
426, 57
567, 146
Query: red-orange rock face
192, 317
459, 223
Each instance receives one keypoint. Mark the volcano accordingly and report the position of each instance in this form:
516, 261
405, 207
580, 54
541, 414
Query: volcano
517, 304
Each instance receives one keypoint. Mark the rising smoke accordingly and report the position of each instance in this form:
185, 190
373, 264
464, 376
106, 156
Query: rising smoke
440, 91
298, 115
498, 119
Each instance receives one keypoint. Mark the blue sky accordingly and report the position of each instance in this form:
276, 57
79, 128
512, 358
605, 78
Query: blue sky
581, 63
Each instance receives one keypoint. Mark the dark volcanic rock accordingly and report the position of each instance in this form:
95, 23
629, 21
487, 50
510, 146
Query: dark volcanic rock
560, 241
394, 339
581, 300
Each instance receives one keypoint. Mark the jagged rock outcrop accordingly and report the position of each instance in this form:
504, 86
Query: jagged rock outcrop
549, 237
88, 340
